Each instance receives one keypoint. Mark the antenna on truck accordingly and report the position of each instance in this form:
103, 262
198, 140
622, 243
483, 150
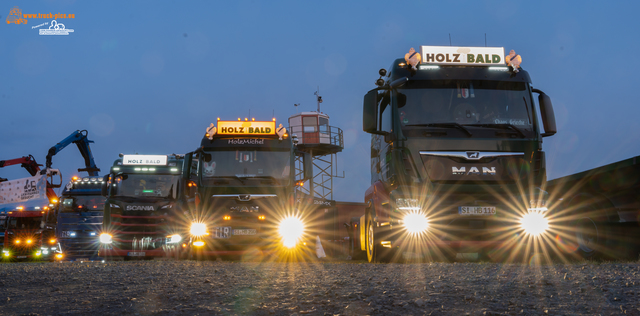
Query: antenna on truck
450, 40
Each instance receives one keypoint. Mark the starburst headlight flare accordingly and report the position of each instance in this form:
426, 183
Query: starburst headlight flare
534, 223
105, 238
175, 238
416, 222
198, 229
291, 230
407, 204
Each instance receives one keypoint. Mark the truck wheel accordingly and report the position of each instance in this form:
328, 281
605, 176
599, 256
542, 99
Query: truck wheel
370, 241
588, 237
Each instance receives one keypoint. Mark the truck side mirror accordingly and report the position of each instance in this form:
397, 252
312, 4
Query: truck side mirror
370, 112
186, 165
308, 166
105, 184
546, 113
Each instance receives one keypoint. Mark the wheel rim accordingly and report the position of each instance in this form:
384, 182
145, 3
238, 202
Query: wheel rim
586, 234
370, 240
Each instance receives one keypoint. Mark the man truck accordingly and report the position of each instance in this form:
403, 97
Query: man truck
241, 190
140, 214
456, 157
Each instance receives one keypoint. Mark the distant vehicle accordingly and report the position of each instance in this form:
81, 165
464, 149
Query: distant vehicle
15, 16
26, 235
456, 157
141, 220
27, 218
241, 190
79, 218
79, 213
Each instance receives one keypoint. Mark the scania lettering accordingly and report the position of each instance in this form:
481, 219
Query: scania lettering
456, 156
140, 213
241, 190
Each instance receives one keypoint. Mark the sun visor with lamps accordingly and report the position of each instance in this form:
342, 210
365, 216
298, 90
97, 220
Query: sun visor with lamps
463, 56
156, 160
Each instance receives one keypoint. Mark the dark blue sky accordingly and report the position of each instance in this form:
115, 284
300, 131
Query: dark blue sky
149, 76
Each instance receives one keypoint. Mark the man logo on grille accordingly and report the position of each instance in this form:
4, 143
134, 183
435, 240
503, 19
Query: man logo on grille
244, 197
473, 154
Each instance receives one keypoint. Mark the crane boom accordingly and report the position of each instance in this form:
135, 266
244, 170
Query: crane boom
80, 139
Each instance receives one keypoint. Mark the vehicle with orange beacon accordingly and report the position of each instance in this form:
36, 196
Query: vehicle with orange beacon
27, 217
456, 156
241, 187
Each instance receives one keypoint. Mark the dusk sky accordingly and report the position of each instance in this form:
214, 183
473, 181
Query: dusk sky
148, 77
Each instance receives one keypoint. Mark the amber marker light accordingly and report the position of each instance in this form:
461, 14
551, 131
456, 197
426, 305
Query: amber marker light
227, 217
29, 241
261, 217
52, 241
17, 241
59, 256
198, 243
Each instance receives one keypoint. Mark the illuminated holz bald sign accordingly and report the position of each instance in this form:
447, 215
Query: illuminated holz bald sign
469, 56
156, 160
253, 128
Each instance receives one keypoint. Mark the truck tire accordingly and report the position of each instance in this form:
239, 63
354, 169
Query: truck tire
587, 229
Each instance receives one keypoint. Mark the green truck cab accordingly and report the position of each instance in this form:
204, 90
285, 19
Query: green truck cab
456, 156
240, 190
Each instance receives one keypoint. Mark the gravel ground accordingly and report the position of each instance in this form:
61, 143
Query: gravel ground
318, 288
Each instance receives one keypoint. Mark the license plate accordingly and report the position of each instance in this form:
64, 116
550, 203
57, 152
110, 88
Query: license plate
21, 257
135, 254
244, 232
82, 259
221, 232
477, 210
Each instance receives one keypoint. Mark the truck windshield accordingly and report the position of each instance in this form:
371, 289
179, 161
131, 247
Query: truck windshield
24, 222
147, 185
247, 164
466, 102
84, 203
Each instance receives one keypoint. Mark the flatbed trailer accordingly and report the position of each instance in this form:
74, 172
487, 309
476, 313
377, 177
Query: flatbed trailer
596, 213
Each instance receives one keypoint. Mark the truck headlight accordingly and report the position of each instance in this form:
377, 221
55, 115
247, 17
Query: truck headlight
175, 239
408, 204
415, 223
105, 238
198, 229
291, 230
534, 223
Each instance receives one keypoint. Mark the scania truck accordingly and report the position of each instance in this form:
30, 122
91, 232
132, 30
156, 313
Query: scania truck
241, 187
456, 157
140, 214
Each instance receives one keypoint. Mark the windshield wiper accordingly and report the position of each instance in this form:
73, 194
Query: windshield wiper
454, 125
502, 126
